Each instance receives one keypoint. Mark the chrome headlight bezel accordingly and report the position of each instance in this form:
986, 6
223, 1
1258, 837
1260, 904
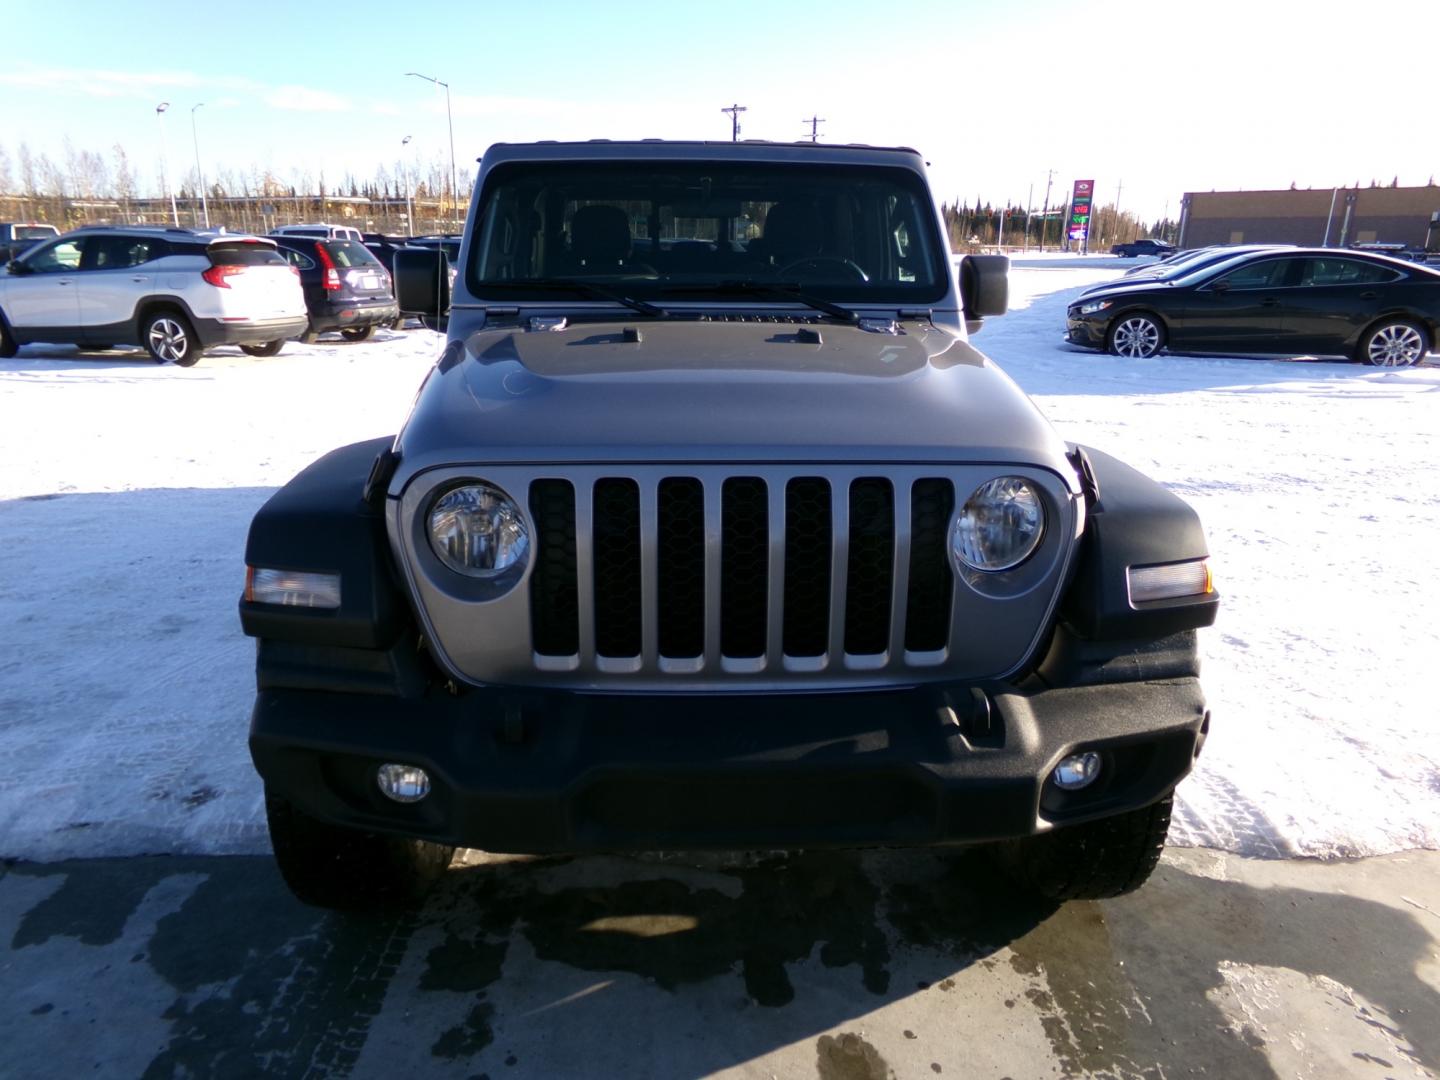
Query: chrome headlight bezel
477, 530
977, 539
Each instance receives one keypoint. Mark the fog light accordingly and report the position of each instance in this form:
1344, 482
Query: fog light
403, 783
1077, 771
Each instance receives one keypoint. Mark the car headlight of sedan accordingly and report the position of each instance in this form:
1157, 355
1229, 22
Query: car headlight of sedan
1090, 307
478, 530
1000, 525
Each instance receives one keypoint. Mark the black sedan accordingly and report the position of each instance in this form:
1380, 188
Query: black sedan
1289, 302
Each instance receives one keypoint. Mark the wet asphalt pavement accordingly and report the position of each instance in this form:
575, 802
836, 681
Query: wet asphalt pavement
842, 966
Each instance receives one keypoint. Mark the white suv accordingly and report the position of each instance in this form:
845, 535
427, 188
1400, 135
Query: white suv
321, 231
177, 292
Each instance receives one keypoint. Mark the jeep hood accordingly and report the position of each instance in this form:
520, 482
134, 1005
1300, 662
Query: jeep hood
697, 391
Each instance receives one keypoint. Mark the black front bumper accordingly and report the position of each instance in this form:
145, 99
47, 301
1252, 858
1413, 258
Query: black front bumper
1088, 332
530, 772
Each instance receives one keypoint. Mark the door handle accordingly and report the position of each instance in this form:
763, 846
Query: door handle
1269, 301
1370, 295
139, 278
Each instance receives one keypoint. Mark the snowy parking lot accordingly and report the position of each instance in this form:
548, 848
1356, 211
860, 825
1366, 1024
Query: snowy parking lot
126, 490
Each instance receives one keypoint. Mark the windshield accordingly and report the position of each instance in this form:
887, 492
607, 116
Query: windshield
666, 229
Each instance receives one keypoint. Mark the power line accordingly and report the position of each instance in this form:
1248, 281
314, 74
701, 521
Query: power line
734, 111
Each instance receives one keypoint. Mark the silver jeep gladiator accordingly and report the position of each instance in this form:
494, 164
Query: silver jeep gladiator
710, 529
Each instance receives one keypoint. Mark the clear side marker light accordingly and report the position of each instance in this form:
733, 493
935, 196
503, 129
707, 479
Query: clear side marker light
292, 588
1170, 582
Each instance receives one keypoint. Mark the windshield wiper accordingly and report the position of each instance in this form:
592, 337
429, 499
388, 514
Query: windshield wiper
584, 288
784, 289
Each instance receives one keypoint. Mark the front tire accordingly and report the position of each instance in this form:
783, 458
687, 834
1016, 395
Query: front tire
8, 348
1092, 861
358, 333
346, 869
1137, 336
170, 339
268, 348
1393, 344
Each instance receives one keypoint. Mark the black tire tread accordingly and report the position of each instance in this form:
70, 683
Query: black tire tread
346, 869
1095, 860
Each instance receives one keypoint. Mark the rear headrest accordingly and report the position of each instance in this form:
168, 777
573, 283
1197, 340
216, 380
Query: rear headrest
600, 233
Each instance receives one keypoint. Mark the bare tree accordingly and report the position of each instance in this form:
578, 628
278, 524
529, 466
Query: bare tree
7, 182
27, 172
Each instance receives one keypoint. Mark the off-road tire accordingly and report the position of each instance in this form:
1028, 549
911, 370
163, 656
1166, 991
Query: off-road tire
170, 339
1092, 861
267, 348
346, 869
358, 333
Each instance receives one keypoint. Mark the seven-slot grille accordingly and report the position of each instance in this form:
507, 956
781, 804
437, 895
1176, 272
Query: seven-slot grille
740, 573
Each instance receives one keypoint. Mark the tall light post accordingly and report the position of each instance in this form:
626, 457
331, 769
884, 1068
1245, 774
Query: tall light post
164, 184
199, 176
409, 186
450, 119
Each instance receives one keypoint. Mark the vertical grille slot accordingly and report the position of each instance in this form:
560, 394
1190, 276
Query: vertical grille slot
871, 566
807, 566
744, 566
617, 567
554, 606
927, 609
680, 552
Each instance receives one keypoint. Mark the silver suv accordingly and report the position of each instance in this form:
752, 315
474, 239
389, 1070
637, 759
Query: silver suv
710, 528
177, 292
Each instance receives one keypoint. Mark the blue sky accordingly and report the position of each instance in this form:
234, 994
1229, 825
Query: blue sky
1159, 97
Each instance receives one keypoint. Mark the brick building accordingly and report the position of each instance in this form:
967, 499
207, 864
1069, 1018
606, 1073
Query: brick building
1333, 216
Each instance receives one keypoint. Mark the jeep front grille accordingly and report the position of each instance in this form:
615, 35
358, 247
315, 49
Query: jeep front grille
747, 576
772, 555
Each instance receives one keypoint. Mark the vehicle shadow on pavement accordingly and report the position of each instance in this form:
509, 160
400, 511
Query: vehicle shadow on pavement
672, 966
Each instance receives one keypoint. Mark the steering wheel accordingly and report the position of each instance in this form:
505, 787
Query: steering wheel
851, 268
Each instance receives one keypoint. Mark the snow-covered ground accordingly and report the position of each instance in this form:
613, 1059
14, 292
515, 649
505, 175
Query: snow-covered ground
126, 490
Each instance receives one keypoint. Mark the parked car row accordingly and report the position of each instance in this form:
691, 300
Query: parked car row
1323, 302
177, 292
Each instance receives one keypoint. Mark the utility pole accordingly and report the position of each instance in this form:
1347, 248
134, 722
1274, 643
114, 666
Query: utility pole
1118, 238
1045, 211
450, 119
199, 176
1029, 213
409, 181
165, 184
734, 111
814, 122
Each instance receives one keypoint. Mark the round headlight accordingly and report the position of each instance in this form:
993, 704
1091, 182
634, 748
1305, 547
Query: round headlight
478, 530
999, 526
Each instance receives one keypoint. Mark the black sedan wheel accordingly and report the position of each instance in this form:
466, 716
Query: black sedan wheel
358, 333
1394, 344
1137, 336
268, 348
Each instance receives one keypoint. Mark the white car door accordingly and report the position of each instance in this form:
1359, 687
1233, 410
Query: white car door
115, 276
43, 294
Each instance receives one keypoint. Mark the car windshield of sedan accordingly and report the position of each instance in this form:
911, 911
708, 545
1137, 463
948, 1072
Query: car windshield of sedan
698, 231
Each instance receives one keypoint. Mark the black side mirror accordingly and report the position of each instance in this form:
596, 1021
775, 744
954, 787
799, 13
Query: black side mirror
1220, 286
984, 287
15, 266
422, 281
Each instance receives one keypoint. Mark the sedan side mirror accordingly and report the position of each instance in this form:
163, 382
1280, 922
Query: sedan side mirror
1220, 286
15, 266
422, 281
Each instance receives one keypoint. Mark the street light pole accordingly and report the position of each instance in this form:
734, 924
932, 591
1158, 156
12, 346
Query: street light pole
164, 184
409, 182
450, 119
199, 176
